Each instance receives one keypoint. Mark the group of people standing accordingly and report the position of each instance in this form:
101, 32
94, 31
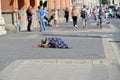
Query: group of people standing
42, 15
84, 13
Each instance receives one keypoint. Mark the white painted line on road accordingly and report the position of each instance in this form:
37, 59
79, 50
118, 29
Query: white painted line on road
116, 50
109, 53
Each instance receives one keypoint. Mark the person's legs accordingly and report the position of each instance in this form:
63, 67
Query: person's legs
73, 21
67, 19
110, 16
50, 19
94, 17
29, 24
43, 24
83, 22
55, 23
46, 18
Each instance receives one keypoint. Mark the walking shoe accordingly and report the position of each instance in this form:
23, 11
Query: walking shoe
56, 25
76, 26
40, 30
29, 31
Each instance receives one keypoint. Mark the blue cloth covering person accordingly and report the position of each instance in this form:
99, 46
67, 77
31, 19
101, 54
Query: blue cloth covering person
53, 42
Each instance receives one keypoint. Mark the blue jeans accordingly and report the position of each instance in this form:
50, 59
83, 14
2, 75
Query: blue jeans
95, 17
42, 25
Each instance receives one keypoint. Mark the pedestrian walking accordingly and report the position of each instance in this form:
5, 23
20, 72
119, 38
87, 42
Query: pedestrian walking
29, 18
84, 16
95, 13
74, 14
88, 13
110, 13
50, 19
17, 24
55, 12
100, 15
66, 14
45, 16
41, 15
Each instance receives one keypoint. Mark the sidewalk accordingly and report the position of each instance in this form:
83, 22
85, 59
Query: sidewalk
91, 57
68, 27
91, 27
90, 60
39, 70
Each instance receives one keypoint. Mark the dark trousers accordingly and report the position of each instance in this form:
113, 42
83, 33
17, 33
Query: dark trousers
110, 16
46, 18
29, 24
67, 18
74, 20
51, 18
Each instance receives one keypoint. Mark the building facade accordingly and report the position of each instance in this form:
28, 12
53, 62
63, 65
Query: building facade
2, 23
13, 7
58, 4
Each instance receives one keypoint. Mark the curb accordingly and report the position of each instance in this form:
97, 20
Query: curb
116, 50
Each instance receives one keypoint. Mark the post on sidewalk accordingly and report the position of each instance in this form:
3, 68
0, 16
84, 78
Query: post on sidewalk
2, 23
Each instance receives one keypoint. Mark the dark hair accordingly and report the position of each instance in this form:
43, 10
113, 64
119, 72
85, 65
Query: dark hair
43, 41
84, 6
39, 7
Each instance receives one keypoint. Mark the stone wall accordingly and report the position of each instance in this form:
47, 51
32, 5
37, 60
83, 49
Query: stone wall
11, 20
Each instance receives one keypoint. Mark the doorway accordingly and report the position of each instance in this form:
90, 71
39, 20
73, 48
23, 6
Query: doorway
21, 4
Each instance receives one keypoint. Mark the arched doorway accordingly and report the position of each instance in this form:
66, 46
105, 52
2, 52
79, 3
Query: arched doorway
21, 4
32, 3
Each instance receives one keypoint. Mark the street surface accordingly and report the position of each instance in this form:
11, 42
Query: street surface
93, 55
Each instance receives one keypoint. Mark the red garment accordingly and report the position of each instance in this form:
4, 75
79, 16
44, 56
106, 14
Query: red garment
19, 17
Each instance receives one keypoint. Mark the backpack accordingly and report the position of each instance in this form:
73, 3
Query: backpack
83, 13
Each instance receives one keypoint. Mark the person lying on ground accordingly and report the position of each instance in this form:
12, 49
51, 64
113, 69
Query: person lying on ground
52, 42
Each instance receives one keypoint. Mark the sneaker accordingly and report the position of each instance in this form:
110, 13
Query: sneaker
56, 25
40, 30
76, 26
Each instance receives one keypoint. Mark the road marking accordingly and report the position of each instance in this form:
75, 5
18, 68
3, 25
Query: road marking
116, 50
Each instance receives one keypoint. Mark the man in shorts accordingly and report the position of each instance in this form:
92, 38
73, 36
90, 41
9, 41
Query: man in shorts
84, 16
